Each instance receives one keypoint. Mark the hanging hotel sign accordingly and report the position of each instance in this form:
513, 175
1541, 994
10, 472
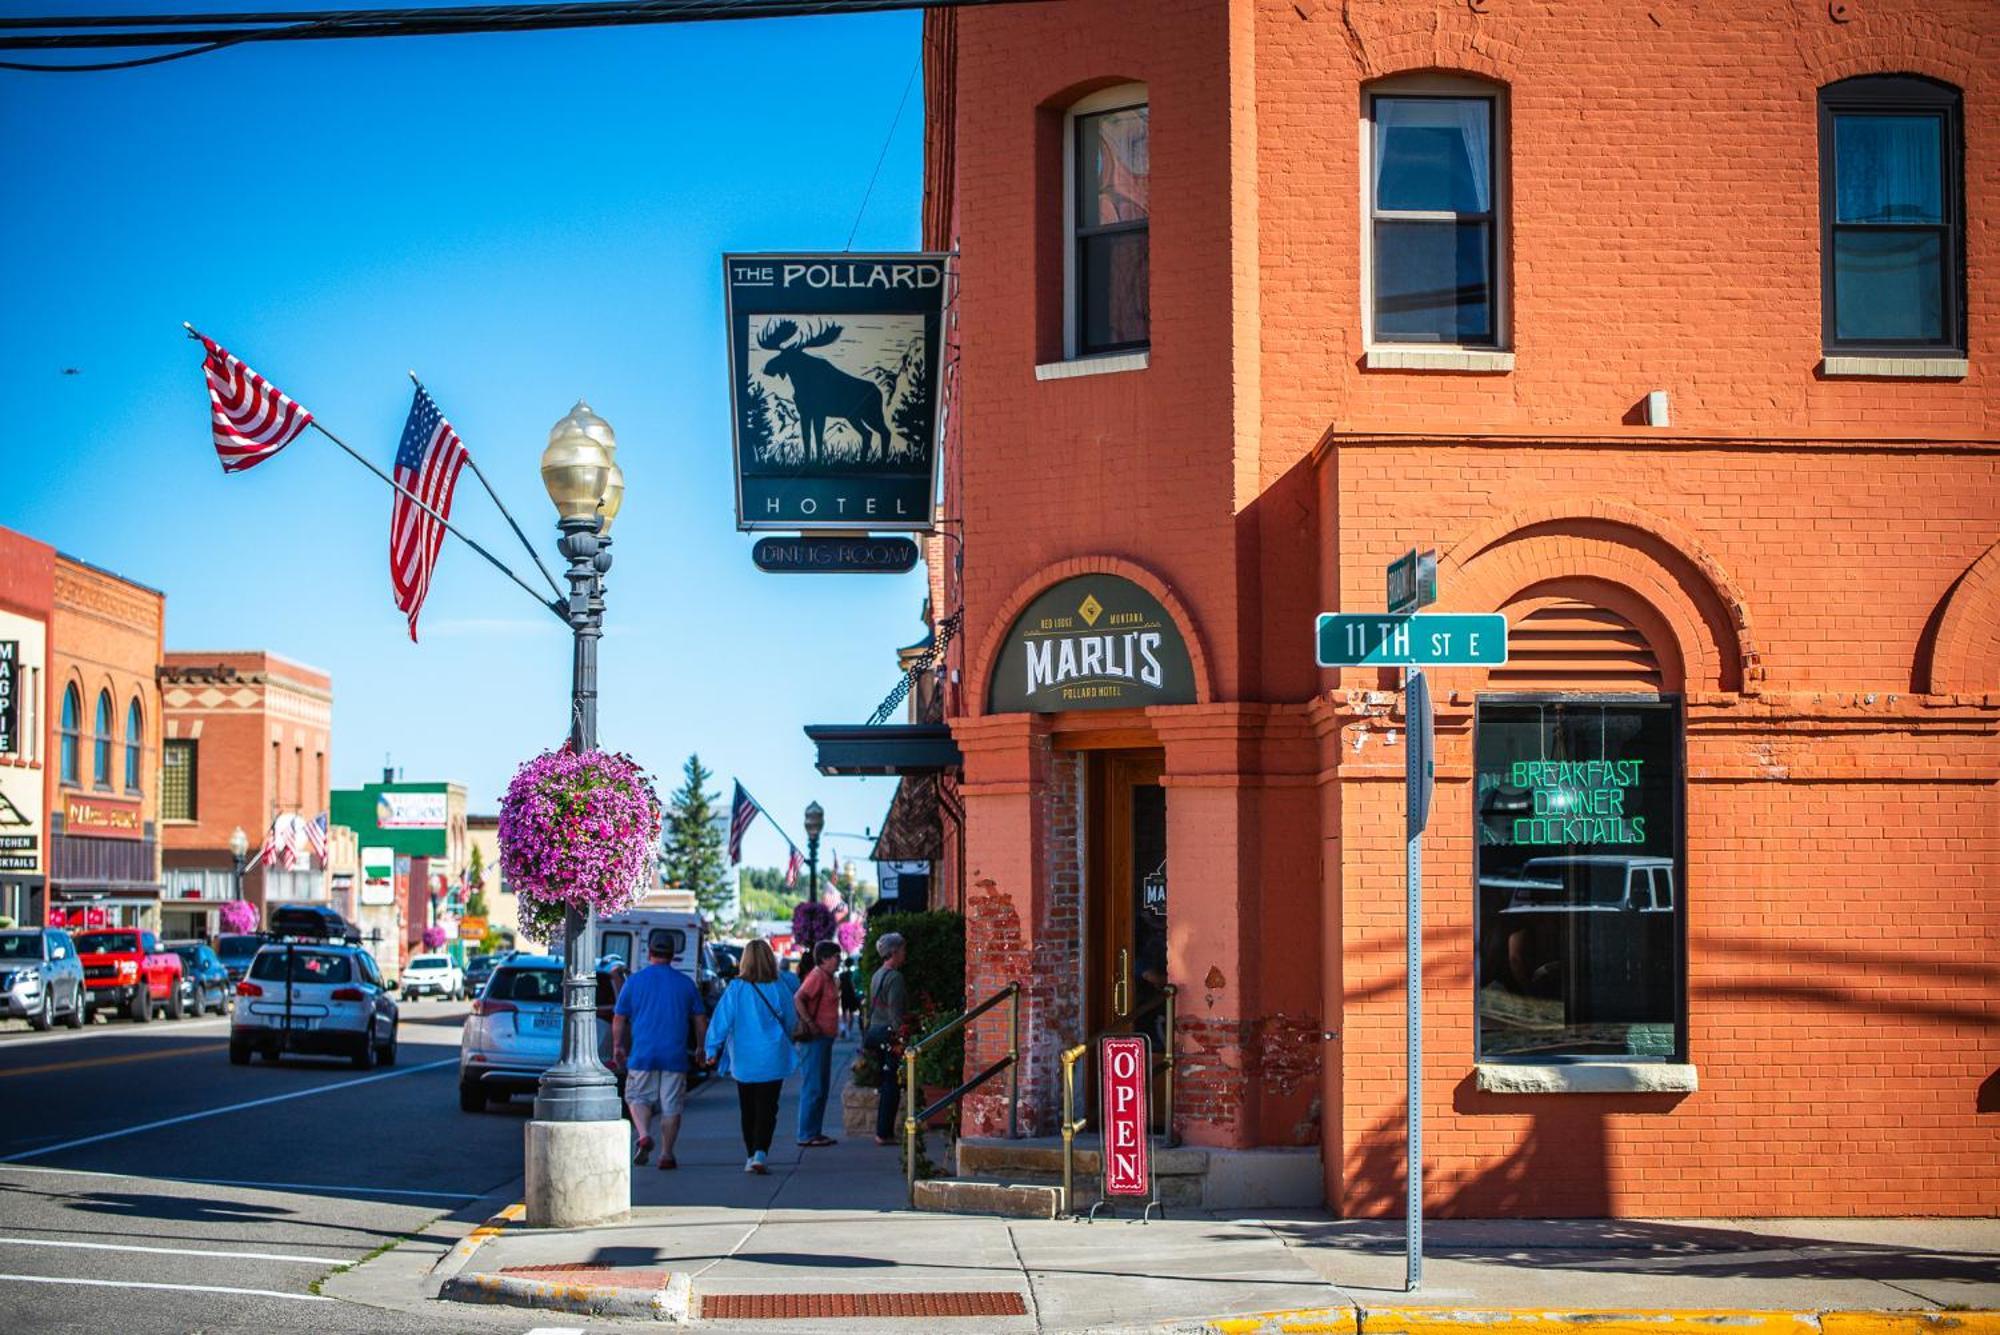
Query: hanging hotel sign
833, 372
1127, 1063
1092, 642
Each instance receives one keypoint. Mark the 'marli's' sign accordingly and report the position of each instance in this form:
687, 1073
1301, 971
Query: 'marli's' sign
1093, 642
1127, 1062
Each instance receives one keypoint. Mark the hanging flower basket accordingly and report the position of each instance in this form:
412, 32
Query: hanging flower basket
577, 830
812, 923
433, 938
238, 917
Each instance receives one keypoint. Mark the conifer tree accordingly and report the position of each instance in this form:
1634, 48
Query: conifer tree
693, 838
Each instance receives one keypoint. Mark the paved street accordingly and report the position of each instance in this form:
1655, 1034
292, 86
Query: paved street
146, 1184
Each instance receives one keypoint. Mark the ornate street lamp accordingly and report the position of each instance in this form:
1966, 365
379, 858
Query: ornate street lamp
239, 849
579, 471
815, 822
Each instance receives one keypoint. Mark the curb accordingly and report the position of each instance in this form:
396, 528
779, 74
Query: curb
669, 1302
1638, 1321
461, 1252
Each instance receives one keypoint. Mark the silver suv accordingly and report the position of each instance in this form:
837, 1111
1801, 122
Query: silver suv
41, 978
314, 997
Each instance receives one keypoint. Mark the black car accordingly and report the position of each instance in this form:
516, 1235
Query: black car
205, 981
479, 968
237, 950
313, 922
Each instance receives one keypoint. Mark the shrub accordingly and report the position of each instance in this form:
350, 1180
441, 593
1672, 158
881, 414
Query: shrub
934, 973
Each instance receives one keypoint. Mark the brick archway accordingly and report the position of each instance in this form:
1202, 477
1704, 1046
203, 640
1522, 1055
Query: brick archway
1965, 652
1658, 561
1029, 589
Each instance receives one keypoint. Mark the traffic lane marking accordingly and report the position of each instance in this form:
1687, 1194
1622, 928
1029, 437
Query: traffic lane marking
223, 1111
80, 1063
166, 1251
28, 1038
178, 1288
327, 1188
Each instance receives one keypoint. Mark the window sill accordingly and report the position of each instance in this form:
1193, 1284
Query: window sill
1105, 364
1487, 360
1897, 368
1587, 1078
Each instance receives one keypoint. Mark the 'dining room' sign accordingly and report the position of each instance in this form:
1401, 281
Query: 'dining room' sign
1092, 642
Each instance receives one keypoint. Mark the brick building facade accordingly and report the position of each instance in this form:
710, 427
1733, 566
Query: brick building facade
102, 718
1416, 272
27, 592
248, 740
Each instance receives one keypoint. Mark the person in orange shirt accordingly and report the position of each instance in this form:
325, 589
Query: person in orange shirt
818, 1006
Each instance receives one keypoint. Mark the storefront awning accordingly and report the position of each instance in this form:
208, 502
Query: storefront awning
857, 749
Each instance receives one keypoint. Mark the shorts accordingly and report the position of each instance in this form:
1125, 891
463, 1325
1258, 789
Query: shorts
665, 1090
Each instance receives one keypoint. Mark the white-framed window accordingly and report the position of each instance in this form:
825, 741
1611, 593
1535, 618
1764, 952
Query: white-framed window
1434, 210
1107, 212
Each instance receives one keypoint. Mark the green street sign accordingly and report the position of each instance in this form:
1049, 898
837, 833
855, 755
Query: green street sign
1424, 639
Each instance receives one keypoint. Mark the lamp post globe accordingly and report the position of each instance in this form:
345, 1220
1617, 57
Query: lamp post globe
578, 472
815, 822
239, 849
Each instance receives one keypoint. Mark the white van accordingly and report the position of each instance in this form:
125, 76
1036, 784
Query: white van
624, 935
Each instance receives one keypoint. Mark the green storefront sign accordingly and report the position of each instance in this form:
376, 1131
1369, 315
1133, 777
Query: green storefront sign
413, 819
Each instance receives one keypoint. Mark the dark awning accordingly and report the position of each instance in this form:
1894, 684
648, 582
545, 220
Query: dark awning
887, 748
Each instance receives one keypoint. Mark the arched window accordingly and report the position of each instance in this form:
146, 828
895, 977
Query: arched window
101, 770
134, 736
1892, 217
72, 724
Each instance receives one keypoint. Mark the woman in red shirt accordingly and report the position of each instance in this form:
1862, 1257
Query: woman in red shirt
818, 1005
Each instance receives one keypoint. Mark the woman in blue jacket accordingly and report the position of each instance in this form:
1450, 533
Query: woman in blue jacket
751, 1020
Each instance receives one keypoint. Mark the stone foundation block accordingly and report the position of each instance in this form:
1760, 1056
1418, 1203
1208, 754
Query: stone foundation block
579, 1173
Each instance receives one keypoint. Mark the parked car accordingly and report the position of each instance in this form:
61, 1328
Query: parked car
479, 967
514, 1033
41, 977
313, 996
205, 982
237, 950
125, 969
432, 975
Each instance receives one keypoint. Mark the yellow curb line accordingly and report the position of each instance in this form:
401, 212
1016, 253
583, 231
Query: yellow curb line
454, 1260
1600, 1321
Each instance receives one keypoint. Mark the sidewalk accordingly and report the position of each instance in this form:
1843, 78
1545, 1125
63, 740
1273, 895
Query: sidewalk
826, 1230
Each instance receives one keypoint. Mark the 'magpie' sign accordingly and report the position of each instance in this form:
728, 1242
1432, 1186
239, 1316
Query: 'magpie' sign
1092, 642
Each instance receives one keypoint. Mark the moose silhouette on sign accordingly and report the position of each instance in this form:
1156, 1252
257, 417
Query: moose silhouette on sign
821, 390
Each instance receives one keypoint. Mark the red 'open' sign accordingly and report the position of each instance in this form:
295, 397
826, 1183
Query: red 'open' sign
1127, 1063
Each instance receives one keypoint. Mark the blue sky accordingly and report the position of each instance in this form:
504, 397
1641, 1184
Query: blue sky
525, 220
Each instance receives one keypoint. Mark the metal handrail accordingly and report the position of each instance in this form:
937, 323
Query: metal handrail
913, 1117
1071, 1123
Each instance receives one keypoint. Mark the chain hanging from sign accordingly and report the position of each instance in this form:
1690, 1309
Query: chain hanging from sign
926, 662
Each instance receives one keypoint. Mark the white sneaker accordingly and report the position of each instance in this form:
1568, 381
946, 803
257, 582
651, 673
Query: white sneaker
750, 1164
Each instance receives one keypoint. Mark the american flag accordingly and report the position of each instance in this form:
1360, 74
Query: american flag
792, 870
427, 463
316, 836
742, 811
252, 419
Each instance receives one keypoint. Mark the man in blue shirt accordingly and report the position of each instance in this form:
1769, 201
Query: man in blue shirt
657, 1020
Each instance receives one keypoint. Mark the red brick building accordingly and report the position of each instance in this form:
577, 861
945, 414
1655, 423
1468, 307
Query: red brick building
1673, 331
248, 740
102, 717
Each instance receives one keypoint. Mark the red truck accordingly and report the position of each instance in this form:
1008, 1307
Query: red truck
125, 969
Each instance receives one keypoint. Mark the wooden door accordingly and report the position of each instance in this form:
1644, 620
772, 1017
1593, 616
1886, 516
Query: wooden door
1125, 961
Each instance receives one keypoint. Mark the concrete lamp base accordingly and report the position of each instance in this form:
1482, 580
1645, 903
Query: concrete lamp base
579, 1173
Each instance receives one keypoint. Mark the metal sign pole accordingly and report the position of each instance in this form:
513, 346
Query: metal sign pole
1415, 762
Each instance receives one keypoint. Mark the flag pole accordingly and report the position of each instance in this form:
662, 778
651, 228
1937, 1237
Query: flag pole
554, 605
505, 513
411, 496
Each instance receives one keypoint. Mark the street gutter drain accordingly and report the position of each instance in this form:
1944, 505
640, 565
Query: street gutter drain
764, 1306
594, 1276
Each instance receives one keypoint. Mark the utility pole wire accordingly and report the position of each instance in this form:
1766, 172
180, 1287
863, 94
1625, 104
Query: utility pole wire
883, 156
200, 34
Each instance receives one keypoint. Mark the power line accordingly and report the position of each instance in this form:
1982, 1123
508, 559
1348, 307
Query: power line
200, 34
883, 157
